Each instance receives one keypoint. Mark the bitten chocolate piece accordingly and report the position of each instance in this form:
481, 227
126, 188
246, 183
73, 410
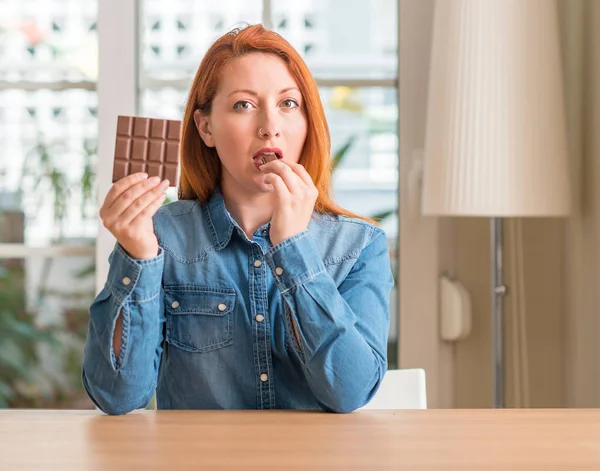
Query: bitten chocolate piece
147, 145
267, 158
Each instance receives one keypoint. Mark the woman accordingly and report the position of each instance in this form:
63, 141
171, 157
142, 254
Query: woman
253, 291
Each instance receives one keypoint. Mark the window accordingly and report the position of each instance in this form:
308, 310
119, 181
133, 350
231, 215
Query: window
48, 105
189, 26
48, 135
348, 39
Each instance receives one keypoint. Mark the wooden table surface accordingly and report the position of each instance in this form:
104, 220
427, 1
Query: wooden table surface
367, 440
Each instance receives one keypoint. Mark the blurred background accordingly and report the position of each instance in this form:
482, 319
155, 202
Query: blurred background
55, 97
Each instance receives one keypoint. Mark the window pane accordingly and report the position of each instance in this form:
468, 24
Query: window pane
177, 33
48, 41
163, 103
366, 120
342, 38
47, 161
43, 325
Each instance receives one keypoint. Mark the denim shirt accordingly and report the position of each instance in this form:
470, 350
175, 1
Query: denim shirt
218, 321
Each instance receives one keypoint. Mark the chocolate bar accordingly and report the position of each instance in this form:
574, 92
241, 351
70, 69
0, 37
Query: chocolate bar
147, 145
267, 158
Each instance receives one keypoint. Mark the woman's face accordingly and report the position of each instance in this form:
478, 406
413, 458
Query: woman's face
257, 108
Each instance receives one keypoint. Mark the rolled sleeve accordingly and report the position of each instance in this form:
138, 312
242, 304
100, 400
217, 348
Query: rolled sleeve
295, 261
342, 330
136, 280
133, 288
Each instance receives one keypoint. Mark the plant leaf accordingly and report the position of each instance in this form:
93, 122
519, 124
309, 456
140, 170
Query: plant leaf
379, 217
338, 157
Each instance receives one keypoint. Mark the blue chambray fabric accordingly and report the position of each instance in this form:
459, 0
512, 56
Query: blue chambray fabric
218, 321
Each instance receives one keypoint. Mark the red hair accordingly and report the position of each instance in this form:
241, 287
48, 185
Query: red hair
200, 165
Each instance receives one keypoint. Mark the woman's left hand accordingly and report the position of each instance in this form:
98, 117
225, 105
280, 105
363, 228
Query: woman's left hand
295, 197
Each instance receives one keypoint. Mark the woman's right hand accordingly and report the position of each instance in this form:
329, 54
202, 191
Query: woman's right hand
127, 213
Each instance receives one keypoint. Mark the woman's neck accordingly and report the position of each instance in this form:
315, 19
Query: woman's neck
250, 210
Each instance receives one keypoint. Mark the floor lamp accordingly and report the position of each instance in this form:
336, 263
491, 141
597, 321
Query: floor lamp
496, 136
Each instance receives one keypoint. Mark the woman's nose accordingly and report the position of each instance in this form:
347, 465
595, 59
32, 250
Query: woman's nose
268, 133
269, 126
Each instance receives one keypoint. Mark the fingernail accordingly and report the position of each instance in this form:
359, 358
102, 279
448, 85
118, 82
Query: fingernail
165, 183
143, 175
154, 180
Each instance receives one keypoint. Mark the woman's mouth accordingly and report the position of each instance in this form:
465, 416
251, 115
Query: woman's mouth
266, 155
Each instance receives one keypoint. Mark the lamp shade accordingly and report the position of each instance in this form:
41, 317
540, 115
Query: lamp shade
496, 142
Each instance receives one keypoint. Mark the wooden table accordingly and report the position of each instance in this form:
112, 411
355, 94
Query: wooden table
366, 440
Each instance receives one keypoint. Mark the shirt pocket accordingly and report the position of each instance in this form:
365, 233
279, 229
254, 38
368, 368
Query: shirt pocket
199, 319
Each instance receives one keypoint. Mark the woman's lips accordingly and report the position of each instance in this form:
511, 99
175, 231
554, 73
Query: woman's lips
265, 151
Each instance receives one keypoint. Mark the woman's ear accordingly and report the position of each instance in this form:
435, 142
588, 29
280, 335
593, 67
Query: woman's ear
203, 127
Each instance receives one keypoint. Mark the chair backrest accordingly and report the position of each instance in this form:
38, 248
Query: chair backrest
401, 389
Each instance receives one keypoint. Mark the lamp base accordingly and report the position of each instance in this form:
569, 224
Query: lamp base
499, 290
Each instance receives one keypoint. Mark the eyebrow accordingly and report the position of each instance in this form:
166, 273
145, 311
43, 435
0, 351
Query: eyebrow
252, 92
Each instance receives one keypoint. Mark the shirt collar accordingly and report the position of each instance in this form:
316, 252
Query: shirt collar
220, 221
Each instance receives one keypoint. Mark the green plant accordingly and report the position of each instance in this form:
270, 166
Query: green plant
45, 172
23, 381
40, 171
337, 159
339, 154
20, 337
88, 176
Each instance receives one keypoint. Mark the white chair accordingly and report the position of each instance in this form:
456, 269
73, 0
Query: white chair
400, 389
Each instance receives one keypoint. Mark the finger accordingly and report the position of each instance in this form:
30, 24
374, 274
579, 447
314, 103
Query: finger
293, 182
151, 209
302, 173
281, 190
127, 198
122, 185
143, 202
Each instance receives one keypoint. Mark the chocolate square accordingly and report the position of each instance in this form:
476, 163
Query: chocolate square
147, 145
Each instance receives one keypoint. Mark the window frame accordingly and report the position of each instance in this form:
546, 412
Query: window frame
18, 250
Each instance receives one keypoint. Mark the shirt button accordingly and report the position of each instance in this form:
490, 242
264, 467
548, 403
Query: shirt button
264, 377
126, 281
175, 305
260, 318
264, 231
221, 307
257, 263
279, 271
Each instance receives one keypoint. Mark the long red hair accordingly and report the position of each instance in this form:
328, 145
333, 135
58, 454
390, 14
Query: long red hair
200, 165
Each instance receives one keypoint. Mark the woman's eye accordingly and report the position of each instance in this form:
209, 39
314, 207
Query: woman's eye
242, 105
289, 103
